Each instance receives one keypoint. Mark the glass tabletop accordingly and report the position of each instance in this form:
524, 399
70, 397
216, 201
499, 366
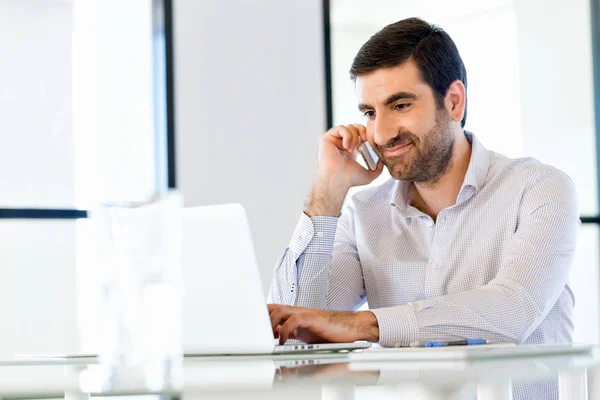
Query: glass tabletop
324, 376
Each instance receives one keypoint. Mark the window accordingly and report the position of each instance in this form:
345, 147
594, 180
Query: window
85, 118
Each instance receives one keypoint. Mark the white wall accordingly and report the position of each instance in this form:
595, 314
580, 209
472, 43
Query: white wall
37, 258
250, 108
114, 155
37, 287
35, 104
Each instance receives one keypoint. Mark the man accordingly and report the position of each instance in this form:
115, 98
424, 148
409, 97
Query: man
462, 242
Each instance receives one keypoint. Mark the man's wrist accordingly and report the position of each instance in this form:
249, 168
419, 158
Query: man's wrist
367, 326
326, 197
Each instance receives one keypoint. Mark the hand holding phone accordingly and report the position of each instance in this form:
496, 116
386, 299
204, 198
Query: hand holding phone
367, 153
338, 169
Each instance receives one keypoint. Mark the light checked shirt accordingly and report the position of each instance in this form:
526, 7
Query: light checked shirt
494, 266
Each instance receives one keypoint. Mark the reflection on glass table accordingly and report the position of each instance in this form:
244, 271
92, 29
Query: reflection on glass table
327, 376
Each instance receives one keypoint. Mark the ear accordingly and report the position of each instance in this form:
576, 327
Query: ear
456, 100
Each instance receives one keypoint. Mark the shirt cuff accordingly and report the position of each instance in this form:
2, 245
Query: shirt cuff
398, 326
313, 235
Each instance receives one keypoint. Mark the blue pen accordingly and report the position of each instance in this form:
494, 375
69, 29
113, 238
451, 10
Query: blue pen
462, 342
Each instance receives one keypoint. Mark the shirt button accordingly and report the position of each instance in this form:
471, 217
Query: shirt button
320, 234
293, 288
429, 222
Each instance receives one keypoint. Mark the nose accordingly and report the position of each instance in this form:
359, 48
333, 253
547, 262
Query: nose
383, 130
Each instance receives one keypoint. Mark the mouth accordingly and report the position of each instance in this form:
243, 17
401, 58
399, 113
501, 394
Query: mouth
394, 151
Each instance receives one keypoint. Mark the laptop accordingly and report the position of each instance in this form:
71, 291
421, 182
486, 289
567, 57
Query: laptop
225, 311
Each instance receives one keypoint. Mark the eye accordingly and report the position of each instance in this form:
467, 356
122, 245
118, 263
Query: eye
401, 106
369, 114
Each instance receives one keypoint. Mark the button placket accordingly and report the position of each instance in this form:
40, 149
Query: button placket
435, 266
439, 235
430, 271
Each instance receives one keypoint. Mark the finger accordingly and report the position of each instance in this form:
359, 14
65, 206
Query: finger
355, 137
287, 329
337, 141
358, 141
278, 314
274, 307
347, 137
334, 132
278, 317
362, 131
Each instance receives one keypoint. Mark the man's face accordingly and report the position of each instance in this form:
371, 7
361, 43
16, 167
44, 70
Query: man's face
405, 126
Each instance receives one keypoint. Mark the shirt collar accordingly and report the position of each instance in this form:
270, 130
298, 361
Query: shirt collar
478, 165
474, 178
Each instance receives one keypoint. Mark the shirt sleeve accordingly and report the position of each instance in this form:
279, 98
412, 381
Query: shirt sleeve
320, 268
533, 273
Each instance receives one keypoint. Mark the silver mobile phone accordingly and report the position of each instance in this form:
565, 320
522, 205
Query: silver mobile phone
367, 153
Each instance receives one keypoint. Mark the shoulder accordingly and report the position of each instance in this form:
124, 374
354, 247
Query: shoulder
374, 195
531, 177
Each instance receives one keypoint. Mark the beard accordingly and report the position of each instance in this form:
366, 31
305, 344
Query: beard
427, 159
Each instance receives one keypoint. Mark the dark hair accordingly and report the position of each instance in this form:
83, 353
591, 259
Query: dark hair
429, 46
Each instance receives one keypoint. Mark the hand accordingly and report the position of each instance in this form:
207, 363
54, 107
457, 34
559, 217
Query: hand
337, 156
319, 326
338, 170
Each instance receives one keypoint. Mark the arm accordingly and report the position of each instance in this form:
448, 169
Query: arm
331, 274
330, 279
509, 308
315, 236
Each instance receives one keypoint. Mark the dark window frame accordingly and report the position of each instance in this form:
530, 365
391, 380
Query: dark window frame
162, 30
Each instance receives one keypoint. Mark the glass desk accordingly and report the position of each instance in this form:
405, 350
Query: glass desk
325, 376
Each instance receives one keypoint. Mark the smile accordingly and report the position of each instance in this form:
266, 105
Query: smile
397, 150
